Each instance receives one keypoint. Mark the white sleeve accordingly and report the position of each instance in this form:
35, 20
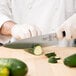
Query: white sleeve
5, 11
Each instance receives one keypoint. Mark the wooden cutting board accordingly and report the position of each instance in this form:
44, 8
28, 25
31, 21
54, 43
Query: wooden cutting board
38, 65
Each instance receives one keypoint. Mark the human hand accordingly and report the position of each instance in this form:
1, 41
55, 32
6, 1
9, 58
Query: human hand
24, 31
68, 29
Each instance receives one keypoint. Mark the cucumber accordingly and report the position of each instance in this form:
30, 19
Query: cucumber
70, 60
15, 66
35, 50
4, 71
50, 54
53, 59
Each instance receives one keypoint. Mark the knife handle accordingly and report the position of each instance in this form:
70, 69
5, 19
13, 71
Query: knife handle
1, 44
63, 33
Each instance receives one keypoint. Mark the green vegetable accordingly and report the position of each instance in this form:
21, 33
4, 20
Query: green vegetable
4, 71
53, 59
36, 50
15, 66
70, 60
50, 54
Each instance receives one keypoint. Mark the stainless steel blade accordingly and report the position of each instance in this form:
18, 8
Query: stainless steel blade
43, 40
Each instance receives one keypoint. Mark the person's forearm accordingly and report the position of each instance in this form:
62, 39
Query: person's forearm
6, 28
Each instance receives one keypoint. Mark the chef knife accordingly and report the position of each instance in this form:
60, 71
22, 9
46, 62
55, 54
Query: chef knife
43, 40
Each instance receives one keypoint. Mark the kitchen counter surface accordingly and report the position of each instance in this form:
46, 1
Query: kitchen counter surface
38, 65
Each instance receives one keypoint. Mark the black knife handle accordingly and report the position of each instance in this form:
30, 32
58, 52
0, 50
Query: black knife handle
63, 33
1, 44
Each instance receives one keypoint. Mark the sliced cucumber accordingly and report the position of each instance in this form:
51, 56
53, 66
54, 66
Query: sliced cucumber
38, 50
53, 59
35, 50
50, 54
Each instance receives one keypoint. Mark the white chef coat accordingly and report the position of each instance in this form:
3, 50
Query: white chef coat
46, 14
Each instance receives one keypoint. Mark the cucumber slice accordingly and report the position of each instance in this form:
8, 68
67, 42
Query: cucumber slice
50, 54
35, 50
53, 59
38, 50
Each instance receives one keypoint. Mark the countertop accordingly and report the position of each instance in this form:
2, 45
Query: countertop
38, 65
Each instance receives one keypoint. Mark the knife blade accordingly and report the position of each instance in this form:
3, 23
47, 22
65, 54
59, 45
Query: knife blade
43, 40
